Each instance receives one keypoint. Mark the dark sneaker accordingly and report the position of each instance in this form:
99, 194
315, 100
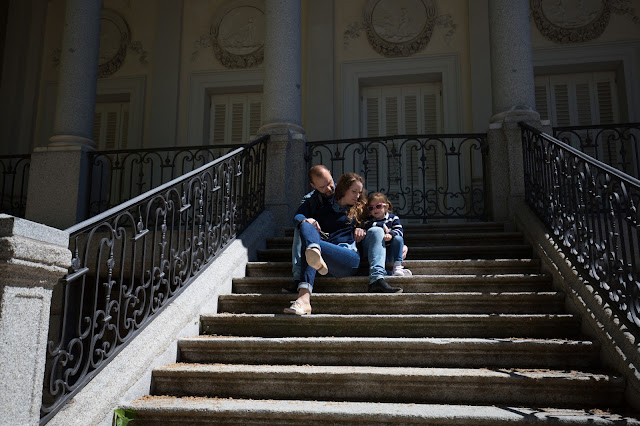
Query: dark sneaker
381, 286
293, 288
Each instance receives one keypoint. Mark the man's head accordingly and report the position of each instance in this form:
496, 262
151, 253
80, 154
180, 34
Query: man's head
321, 180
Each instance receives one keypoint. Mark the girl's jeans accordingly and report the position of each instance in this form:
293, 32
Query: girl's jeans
394, 249
341, 261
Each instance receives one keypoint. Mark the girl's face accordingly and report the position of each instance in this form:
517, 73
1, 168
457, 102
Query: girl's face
377, 209
352, 195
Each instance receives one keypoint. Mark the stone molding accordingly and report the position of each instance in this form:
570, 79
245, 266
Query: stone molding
237, 34
399, 27
571, 24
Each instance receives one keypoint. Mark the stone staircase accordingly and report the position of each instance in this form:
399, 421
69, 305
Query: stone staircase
479, 337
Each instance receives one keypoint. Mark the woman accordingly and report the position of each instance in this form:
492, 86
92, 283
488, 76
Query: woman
329, 245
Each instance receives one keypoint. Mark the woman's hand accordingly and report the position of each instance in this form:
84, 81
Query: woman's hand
359, 234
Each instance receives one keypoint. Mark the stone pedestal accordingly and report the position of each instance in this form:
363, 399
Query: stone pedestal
33, 258
505, 163
58, 185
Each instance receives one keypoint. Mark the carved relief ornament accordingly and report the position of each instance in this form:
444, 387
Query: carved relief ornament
237, 34
399, 27
571, 21
114, 41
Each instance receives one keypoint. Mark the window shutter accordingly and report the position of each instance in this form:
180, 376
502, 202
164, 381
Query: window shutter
124, 128
111, 131
561, 101
237, 123
219, 122
391, 115
97, 125
605, 102
542, 105
410, 115
583, 104
255, 117
373, 120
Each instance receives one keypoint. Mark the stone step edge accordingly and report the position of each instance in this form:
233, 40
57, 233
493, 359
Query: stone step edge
308, 412
421, 278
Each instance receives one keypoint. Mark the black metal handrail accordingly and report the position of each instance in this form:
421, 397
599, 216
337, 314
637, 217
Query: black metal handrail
129, 262
14, 178
120, 175
591, 209
426, 177
614, 144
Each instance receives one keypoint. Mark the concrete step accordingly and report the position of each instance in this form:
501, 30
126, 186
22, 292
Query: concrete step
422, 267
465, 228
400, 304
477, 251
392, 352
533, 387
412, 284
168, 410
438, 325
425, 238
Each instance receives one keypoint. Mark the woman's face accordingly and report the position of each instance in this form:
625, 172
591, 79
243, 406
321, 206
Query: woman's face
352, 195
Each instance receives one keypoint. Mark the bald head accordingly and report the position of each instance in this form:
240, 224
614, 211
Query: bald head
321, 180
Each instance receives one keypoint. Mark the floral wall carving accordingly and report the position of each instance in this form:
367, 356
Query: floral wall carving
236, 35
573, 21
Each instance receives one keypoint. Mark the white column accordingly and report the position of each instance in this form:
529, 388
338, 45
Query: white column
511, 55
282, 109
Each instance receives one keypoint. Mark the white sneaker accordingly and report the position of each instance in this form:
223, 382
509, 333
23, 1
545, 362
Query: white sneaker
406, 272
398, 271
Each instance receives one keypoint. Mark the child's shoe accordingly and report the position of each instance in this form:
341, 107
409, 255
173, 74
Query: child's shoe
399, 271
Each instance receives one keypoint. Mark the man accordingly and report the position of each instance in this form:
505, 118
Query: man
321, 181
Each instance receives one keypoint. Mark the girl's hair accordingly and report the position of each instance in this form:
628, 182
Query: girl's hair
380, 197
344, 183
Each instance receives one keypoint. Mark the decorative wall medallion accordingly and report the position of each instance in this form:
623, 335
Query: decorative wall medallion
571, 21
114, 41
399, 27
237, 34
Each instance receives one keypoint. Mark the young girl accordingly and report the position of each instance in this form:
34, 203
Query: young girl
380, 215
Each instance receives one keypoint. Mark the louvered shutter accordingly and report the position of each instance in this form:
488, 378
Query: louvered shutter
542, 97
255, 116
218, 121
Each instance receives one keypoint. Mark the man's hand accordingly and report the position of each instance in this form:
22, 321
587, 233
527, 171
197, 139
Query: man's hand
313, 222
359, 234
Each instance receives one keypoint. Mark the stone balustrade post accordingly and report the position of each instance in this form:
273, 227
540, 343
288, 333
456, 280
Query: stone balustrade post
33, 257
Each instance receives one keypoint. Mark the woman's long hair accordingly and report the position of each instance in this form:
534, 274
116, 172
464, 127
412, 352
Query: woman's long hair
345, 181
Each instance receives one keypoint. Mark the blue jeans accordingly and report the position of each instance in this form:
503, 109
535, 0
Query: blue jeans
394, 249
296, 252
376, 252
341, 261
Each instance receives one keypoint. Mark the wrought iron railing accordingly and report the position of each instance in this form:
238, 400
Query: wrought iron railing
14, 178
591, 210
120, 175
617, 145
424, 176
131, 261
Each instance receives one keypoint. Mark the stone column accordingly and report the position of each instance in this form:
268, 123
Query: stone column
282, 109
58, 175
513, 96
33, 258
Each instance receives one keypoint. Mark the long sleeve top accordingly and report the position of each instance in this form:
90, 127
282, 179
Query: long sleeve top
390, 220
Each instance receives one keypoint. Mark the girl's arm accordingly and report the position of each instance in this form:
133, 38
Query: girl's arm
396, 227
